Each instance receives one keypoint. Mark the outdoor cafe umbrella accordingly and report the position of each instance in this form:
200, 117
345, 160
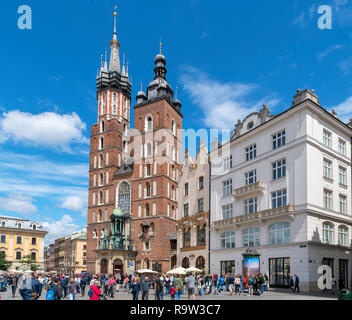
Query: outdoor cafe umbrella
178, 270
193, 270
142, 271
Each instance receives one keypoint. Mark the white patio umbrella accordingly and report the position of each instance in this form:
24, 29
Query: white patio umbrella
178, 270
193, 270
146, 271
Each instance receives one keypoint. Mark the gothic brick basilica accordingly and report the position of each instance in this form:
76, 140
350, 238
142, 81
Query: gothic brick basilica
133, 173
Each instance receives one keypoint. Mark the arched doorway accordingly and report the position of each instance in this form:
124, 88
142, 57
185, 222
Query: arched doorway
200, 263
185, 263
104, 266
118, 266
173, 262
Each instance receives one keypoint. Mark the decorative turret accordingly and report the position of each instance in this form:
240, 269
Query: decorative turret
159, 87
141, 96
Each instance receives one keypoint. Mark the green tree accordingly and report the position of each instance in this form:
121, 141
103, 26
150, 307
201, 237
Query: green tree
30, 262
4, 264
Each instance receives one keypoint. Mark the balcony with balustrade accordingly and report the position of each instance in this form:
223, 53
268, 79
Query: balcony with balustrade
256, 216
249, 190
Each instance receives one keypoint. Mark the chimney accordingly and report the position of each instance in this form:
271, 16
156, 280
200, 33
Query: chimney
305, 95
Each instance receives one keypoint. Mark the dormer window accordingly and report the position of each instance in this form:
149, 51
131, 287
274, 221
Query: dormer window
34, 227
19, 225
3, 224
250, 125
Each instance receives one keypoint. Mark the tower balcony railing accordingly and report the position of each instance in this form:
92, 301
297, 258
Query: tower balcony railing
250, 189
260, 215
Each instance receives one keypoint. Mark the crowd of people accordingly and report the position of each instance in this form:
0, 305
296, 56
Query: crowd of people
102, 287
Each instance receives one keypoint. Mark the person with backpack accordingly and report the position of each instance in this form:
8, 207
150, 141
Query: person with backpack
54, 290
72, 289
250, 286
94, 291
63, 285
159, 288
13, 283
26, 287
83, 284
136, 287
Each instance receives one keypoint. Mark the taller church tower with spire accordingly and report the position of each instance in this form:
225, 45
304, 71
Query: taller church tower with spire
133, 187
109, 145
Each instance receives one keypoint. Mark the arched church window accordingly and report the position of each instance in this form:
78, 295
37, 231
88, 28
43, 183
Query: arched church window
101, 143
124, 196
102, 126
149, 123
148, 188
173, 127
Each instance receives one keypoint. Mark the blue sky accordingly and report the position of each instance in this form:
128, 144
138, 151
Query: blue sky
226, 57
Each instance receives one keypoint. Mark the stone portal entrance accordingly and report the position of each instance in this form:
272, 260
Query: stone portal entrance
104, 266
118, 266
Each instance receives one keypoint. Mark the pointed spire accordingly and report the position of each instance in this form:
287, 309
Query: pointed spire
127, 70
115, 18
115, 46
161, 46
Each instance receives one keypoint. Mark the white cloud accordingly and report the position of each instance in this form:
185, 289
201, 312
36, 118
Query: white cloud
17, 203
300, 20
322, 55
345, 65
46, 129
344, 110
73, 203
221, 103
58, 229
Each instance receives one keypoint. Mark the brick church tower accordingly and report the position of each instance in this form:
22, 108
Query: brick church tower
158, 126
108, 146
133, 175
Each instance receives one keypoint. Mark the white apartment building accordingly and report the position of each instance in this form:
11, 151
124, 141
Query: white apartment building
193, 212
282, 185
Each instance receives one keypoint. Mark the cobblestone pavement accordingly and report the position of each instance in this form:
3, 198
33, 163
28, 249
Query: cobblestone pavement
270, 295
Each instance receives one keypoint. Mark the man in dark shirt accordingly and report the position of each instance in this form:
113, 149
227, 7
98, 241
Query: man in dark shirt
145, 289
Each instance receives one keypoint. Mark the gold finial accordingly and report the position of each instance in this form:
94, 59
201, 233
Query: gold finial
115, 12
161, 46
141, 85
176, 92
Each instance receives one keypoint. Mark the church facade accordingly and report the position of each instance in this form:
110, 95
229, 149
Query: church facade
133, 173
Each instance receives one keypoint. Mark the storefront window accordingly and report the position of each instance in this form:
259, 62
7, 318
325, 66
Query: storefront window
227, 267
279, 272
